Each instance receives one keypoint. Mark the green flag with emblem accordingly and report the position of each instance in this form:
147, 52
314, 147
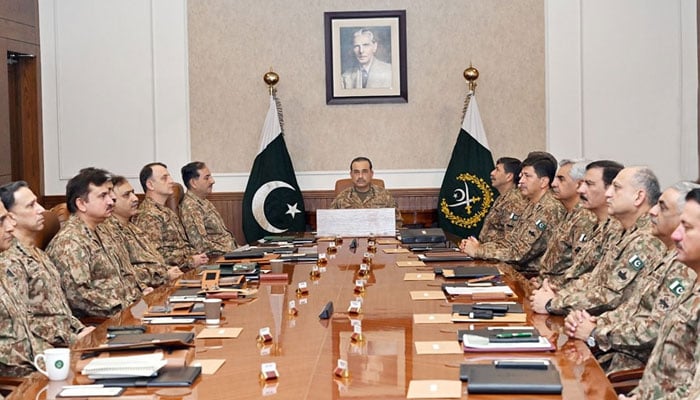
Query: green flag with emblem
466, 194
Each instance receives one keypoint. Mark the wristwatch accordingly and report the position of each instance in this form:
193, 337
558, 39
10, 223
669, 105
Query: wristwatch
590, 340
548, 306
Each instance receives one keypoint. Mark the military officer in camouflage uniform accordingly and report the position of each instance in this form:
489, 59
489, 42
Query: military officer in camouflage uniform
363, 193
162, 225
633, 192
204, 226
575, 228
32, 273
525, 244
599, 176
143, 256
626, 335
510, 203
18, 345
670, 372
96, 279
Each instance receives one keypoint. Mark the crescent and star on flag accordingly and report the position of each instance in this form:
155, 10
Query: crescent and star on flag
258, 205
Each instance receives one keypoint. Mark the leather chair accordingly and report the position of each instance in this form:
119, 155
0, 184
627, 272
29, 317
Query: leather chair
8, 384
342, 184
174, 200
61, 212
51, 226
624, 381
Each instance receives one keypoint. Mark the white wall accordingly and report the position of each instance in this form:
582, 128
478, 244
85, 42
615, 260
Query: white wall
621, 83
114, 80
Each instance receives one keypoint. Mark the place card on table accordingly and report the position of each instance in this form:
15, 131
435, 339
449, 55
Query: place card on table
434, 389
419, 276
439, 347
427, 295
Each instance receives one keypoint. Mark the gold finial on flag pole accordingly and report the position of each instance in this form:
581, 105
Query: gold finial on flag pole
271, 78
471, 74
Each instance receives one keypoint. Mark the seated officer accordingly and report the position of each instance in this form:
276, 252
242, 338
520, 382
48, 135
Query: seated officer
626, 335
143, 256
576, 226
96, 277
510, 203
32, 273
162, 225
671, 372
363, 193
203, 224
527, 241
18, 345
599, 176
633, 192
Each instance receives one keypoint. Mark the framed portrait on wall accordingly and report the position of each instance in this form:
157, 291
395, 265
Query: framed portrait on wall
366, 57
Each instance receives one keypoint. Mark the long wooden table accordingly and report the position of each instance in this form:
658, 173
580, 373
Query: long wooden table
306, 348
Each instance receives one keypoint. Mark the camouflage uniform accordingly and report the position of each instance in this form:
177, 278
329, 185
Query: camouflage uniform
377, 198
92, 276
527, 241
164, 229
569, 238
628, 333
204, 226
671, 367
507, 208
17, 344
148, 264
37, 280
614, 279
604, 235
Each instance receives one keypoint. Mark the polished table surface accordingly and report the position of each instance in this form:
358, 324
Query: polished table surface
306, 349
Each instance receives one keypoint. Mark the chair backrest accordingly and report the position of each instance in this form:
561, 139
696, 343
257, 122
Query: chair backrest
51, 226
175, 199
61, 212
342, 184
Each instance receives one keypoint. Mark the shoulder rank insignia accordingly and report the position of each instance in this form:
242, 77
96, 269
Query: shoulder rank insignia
514, 217
676, 287
663, 303
541, 225
636, 263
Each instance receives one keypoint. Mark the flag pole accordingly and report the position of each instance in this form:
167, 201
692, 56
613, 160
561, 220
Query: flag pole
271, 78
470, 74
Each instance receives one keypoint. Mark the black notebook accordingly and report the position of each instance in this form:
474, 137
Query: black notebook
167, 377
239, 255
489, 379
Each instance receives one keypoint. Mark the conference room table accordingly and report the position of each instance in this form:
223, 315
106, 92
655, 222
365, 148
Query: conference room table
306, 348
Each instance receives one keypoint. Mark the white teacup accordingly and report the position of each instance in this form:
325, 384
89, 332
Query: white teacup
57, 362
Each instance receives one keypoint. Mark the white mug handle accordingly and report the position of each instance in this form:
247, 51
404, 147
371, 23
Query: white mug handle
36, 364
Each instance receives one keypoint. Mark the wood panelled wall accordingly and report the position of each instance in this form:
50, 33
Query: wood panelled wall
418, 206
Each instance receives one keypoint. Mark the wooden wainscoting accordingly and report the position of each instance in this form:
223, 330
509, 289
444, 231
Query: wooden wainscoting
418, 207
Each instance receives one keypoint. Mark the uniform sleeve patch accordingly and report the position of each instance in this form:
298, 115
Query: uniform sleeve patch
541, 225
636, 262
676, 287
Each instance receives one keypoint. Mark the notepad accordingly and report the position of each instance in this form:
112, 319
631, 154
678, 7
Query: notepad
438, 347
145, 365
434, 389
419, 276
410, 263
432, 318
219, 333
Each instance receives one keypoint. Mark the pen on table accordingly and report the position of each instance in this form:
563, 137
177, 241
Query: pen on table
481, 279
513, 335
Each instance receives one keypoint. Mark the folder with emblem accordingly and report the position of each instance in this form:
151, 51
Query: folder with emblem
427, 235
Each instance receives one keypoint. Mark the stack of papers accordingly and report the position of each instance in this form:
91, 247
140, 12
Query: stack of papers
125, 367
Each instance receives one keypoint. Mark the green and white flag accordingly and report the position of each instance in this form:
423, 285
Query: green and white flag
466, 194
272, 203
